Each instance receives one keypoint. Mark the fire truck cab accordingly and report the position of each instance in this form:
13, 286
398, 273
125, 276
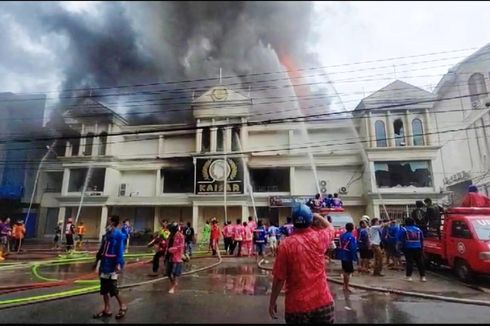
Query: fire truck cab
465, 242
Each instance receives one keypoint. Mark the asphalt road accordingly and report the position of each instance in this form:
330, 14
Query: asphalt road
238, 292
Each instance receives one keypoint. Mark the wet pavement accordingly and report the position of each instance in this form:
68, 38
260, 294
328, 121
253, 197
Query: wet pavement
237, 291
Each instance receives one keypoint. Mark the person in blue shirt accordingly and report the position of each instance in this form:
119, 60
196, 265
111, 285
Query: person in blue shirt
288, 228
126, 230
260, 235
348, 254
273, 233
111, 258
411, 241
364, 246
390, 234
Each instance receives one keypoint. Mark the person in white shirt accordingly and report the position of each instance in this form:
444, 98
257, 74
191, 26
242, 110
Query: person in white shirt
375, 241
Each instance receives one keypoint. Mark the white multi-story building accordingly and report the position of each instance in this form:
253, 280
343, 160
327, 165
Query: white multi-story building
395, 149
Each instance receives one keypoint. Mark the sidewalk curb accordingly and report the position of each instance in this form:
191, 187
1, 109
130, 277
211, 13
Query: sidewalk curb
401, 292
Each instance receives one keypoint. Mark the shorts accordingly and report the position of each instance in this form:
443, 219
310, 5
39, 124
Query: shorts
273, 241
366, 253
348, 266
173, 269
3, 241
322, 315
108, 286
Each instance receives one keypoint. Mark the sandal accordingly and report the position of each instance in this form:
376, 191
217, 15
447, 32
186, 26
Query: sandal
121, 313
102, 314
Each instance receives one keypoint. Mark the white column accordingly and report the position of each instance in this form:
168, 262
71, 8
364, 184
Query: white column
292, 171
158, 183
108, 147
371, 137
95, 146
245, 213
214, 139
198, 140
408, 128
244, 134
81, 148
161, 145
68, 149
103, 221
228, 139
427, 129
65, 183
156, 219
390, 131
61, 215
195, 217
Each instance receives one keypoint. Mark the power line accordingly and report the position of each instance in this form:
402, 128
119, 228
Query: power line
256, 74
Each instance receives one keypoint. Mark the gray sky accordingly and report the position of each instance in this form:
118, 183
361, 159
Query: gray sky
363, 31
346, 32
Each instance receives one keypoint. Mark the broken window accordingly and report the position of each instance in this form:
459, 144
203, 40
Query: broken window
220, 139
399, 132
403, 174
380, 131
270, 179
418, 132
89, 143
206, 140
94, 183
54, 180
178, 180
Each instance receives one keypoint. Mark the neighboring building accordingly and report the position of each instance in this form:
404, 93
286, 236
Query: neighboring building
396, 126
21, 117
463, 103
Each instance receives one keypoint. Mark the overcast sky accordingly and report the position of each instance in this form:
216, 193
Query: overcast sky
347, 32
363, 31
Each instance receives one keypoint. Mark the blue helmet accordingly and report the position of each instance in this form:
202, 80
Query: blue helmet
302, 216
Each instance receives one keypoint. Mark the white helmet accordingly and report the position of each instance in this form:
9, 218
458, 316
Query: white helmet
365, 218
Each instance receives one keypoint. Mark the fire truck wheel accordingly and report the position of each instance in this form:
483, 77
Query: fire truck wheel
463, 270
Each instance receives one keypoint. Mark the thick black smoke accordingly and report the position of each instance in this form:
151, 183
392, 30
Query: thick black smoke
126, 43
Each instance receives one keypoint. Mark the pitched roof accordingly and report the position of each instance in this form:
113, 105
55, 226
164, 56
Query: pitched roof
91, 108
397, 95
220, 93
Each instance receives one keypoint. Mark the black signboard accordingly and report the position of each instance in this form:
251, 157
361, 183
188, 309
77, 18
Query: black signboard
211, 172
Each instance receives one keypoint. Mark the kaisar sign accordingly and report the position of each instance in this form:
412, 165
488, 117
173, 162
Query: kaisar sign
211, 174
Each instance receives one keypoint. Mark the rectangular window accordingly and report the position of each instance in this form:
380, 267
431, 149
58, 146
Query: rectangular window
178, 180
95, 180
54, 180
460, 230
398, 174
270, 179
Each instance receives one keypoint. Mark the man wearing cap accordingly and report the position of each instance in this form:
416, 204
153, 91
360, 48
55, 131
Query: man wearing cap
300, 265
69, 232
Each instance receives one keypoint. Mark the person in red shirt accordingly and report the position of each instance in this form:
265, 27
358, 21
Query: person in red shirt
475, 199
300, 265
215, 233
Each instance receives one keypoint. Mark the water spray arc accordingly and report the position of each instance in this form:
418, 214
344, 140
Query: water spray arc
84, 189
247, 176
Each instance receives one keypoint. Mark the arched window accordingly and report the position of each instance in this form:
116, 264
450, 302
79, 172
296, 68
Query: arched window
399, 132
418, 132
379, 127
102, 143
476, 85
89, 143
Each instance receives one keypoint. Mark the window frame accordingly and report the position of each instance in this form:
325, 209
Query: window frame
380, 141
419, 135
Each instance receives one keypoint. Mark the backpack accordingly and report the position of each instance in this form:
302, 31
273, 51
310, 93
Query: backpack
188, 232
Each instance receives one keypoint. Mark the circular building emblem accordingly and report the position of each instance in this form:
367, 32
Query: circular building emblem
219, 93
219, 169
461, 248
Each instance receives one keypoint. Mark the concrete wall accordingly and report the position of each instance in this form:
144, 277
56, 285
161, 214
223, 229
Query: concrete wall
139, 183
179, 144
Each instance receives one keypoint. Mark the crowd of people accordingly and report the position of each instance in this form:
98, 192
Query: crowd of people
11, 236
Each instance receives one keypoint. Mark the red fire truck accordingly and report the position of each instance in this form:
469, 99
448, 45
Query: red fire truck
465, 242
